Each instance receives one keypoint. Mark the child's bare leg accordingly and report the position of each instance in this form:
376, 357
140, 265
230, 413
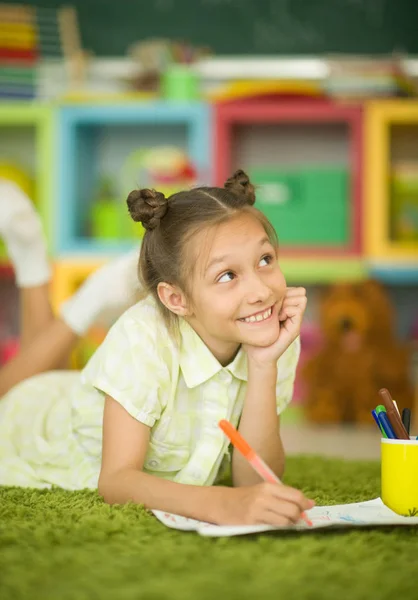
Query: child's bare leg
111, 290
48, 351
35, 313
36, 317
21, 229
47, 341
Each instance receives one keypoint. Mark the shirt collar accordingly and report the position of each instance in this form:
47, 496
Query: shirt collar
197, 362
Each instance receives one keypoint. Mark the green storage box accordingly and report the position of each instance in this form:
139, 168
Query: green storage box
109, 215
110, 220
307, 206
105, 220
180, 82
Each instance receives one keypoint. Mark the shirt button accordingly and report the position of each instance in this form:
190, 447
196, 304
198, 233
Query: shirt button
196, 474
153, 463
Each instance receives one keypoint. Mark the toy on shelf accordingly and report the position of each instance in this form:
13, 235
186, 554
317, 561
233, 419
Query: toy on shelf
359, 355
167, 169
404, 202
106, 213
29, 33
19, 176
165, 67
19, 51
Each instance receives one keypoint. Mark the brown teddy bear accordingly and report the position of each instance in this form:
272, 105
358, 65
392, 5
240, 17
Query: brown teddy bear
359, 356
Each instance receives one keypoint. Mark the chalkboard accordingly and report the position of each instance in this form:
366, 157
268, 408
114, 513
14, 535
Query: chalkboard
239, 27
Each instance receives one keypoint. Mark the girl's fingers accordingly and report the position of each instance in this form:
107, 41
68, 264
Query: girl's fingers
272, 518
296, 299
295, 291
287, 493
289, 314
278, 511
291, 311
292, 304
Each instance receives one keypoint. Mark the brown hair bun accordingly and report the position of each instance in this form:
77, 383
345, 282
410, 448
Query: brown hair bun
240, 185
147, 207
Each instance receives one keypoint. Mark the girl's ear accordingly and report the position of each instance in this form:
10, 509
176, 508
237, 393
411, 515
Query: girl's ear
173, 298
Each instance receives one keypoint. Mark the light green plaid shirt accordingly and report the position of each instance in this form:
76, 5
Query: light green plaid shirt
180, 391
51, 424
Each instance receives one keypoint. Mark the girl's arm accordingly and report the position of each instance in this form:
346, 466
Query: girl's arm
259, 425
125, 443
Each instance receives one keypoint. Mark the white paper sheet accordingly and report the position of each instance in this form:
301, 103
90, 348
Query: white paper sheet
357, 514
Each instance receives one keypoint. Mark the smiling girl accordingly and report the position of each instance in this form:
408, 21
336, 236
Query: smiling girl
214, 336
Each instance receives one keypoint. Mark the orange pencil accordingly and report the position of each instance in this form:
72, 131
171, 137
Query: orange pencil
255, 461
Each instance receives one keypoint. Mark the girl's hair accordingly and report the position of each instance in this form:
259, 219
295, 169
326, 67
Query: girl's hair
170, 223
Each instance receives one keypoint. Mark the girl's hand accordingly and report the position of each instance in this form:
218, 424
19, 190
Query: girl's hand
290, 317
263, 503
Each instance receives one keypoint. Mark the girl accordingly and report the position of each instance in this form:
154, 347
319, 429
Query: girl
215, 335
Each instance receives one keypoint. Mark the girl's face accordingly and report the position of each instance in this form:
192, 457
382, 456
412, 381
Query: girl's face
238, 287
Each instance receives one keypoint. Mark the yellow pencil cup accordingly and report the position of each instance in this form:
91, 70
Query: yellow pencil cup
399, 471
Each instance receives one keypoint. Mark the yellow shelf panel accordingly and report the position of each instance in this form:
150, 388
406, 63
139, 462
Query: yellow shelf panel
322, 270
67, 276
379, 116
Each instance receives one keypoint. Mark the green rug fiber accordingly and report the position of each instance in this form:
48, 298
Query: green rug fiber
70, 545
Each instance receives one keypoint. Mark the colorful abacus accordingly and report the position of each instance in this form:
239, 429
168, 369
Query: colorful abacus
19, 51
28, 34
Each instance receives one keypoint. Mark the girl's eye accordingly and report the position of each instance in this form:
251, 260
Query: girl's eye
228, 276
268, 259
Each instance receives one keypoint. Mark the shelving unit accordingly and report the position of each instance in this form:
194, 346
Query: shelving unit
68, 275
95, 140
391, 139
26, 156
319, 136
66, 149
26, 140
305, 271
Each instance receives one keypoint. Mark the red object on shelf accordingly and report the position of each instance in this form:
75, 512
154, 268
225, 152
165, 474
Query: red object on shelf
6, 271
262, 111
12, 54
8, 349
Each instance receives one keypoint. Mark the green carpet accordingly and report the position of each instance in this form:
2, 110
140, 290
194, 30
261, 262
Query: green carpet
70, 545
